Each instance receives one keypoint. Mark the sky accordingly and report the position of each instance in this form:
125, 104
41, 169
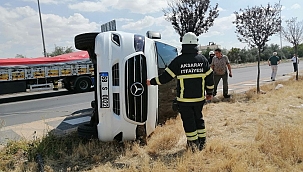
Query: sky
62, 20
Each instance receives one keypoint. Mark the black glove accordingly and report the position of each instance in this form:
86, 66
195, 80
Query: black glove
175, 106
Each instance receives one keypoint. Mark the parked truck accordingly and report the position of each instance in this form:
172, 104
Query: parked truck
125, 108
19, 75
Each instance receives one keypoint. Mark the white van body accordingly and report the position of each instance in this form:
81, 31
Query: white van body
125, 101
124, 107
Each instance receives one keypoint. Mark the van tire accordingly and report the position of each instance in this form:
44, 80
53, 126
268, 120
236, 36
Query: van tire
86, 41
93, 104
87, 131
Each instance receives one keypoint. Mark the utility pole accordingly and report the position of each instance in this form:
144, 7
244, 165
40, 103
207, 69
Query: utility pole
280, 24
44, 50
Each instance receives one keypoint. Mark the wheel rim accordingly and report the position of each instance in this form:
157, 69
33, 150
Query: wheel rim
83, 85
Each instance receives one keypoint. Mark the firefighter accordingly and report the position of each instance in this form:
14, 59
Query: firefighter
211, 55
194, 79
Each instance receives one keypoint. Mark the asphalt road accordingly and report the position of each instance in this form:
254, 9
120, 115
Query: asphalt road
39, 109
67, 105
251, 73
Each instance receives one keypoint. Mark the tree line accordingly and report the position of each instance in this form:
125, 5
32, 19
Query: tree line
254, 26
57, 51
246, 55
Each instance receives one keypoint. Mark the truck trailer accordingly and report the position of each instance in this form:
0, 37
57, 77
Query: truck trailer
20, 75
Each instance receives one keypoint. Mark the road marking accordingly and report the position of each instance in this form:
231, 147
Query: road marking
249, 84
78, 120
267, 80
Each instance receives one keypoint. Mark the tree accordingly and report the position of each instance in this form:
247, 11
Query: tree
190, 16
269, 49
247, 55
287, 51
300, 50
293, 33
60, 50
234, 55
255, 25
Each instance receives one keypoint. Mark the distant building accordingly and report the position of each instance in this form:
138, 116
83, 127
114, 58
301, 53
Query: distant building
210, 46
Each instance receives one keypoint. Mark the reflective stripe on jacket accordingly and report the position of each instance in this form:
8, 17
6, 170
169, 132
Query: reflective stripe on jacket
194, 77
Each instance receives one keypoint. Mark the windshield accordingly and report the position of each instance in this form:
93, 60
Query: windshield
165, 54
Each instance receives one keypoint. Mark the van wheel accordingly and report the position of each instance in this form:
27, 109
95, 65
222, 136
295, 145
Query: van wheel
87, 131
83, 84
93, 104
86, 41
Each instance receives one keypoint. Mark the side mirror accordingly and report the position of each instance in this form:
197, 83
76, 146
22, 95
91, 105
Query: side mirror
153, 35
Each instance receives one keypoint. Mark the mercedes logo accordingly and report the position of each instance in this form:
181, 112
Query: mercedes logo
137, 89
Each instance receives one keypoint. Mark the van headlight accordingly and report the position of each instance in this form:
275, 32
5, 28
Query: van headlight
139, 43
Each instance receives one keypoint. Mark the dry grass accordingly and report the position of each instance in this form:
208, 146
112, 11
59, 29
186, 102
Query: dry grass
251, 132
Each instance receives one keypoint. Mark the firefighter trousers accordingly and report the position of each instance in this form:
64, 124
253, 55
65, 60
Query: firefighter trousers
193, 123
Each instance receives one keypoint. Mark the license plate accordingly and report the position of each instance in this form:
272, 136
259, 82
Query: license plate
104, 89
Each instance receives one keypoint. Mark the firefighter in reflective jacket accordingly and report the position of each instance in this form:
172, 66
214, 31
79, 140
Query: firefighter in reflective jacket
194, 79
